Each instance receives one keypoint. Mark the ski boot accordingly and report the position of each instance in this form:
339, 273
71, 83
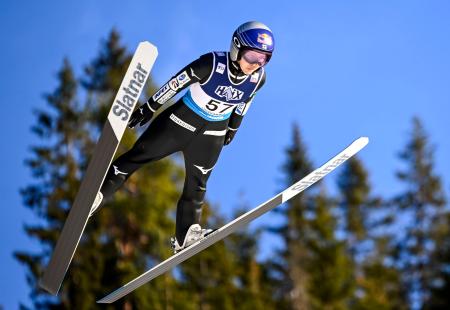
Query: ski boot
194, 234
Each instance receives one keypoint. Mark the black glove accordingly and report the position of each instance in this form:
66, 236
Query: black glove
229, 136
142, 115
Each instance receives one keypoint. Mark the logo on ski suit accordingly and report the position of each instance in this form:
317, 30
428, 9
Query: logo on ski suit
229, 93
117, 171
203, 170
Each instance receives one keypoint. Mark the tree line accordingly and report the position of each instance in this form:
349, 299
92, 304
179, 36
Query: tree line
351, 250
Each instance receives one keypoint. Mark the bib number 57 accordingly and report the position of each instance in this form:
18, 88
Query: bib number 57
213, 106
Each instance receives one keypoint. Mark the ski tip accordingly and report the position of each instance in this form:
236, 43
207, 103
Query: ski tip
152, 48
362, 141
365, 139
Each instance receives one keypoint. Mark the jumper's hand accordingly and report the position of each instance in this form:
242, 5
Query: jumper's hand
229, 136
141, 116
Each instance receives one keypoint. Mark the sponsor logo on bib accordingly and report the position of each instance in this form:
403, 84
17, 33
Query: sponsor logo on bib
220, 68
229, 93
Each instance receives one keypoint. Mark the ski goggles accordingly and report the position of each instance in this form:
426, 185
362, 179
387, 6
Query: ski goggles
254, 57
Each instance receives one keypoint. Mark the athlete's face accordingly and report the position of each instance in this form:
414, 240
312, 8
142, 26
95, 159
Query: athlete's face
247, 67
252, 60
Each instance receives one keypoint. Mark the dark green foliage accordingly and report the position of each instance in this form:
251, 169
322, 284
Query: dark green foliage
354, 188
352, 251
330, 268
376, 285
440, 275
312, 269
289, 268
129, 234
125, 234
421, 204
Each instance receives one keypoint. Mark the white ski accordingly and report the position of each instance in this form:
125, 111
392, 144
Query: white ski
123, 105
244, 219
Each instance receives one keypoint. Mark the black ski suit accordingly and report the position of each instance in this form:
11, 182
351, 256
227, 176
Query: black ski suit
197, 125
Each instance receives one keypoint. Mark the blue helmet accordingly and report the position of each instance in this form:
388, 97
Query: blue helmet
254, 36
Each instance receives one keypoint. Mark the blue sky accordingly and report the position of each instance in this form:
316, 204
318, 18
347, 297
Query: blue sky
341, 69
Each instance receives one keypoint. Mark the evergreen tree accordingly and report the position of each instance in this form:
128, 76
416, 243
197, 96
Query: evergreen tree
207, 278
226, 275
380, 285
289, 269
377, 286
125, 235
254, 287
440, 278
139, 221
421, 203
55, 168
330, 269
354, 189
312, 270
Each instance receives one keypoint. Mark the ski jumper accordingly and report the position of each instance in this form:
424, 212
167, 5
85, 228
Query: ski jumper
219, 95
